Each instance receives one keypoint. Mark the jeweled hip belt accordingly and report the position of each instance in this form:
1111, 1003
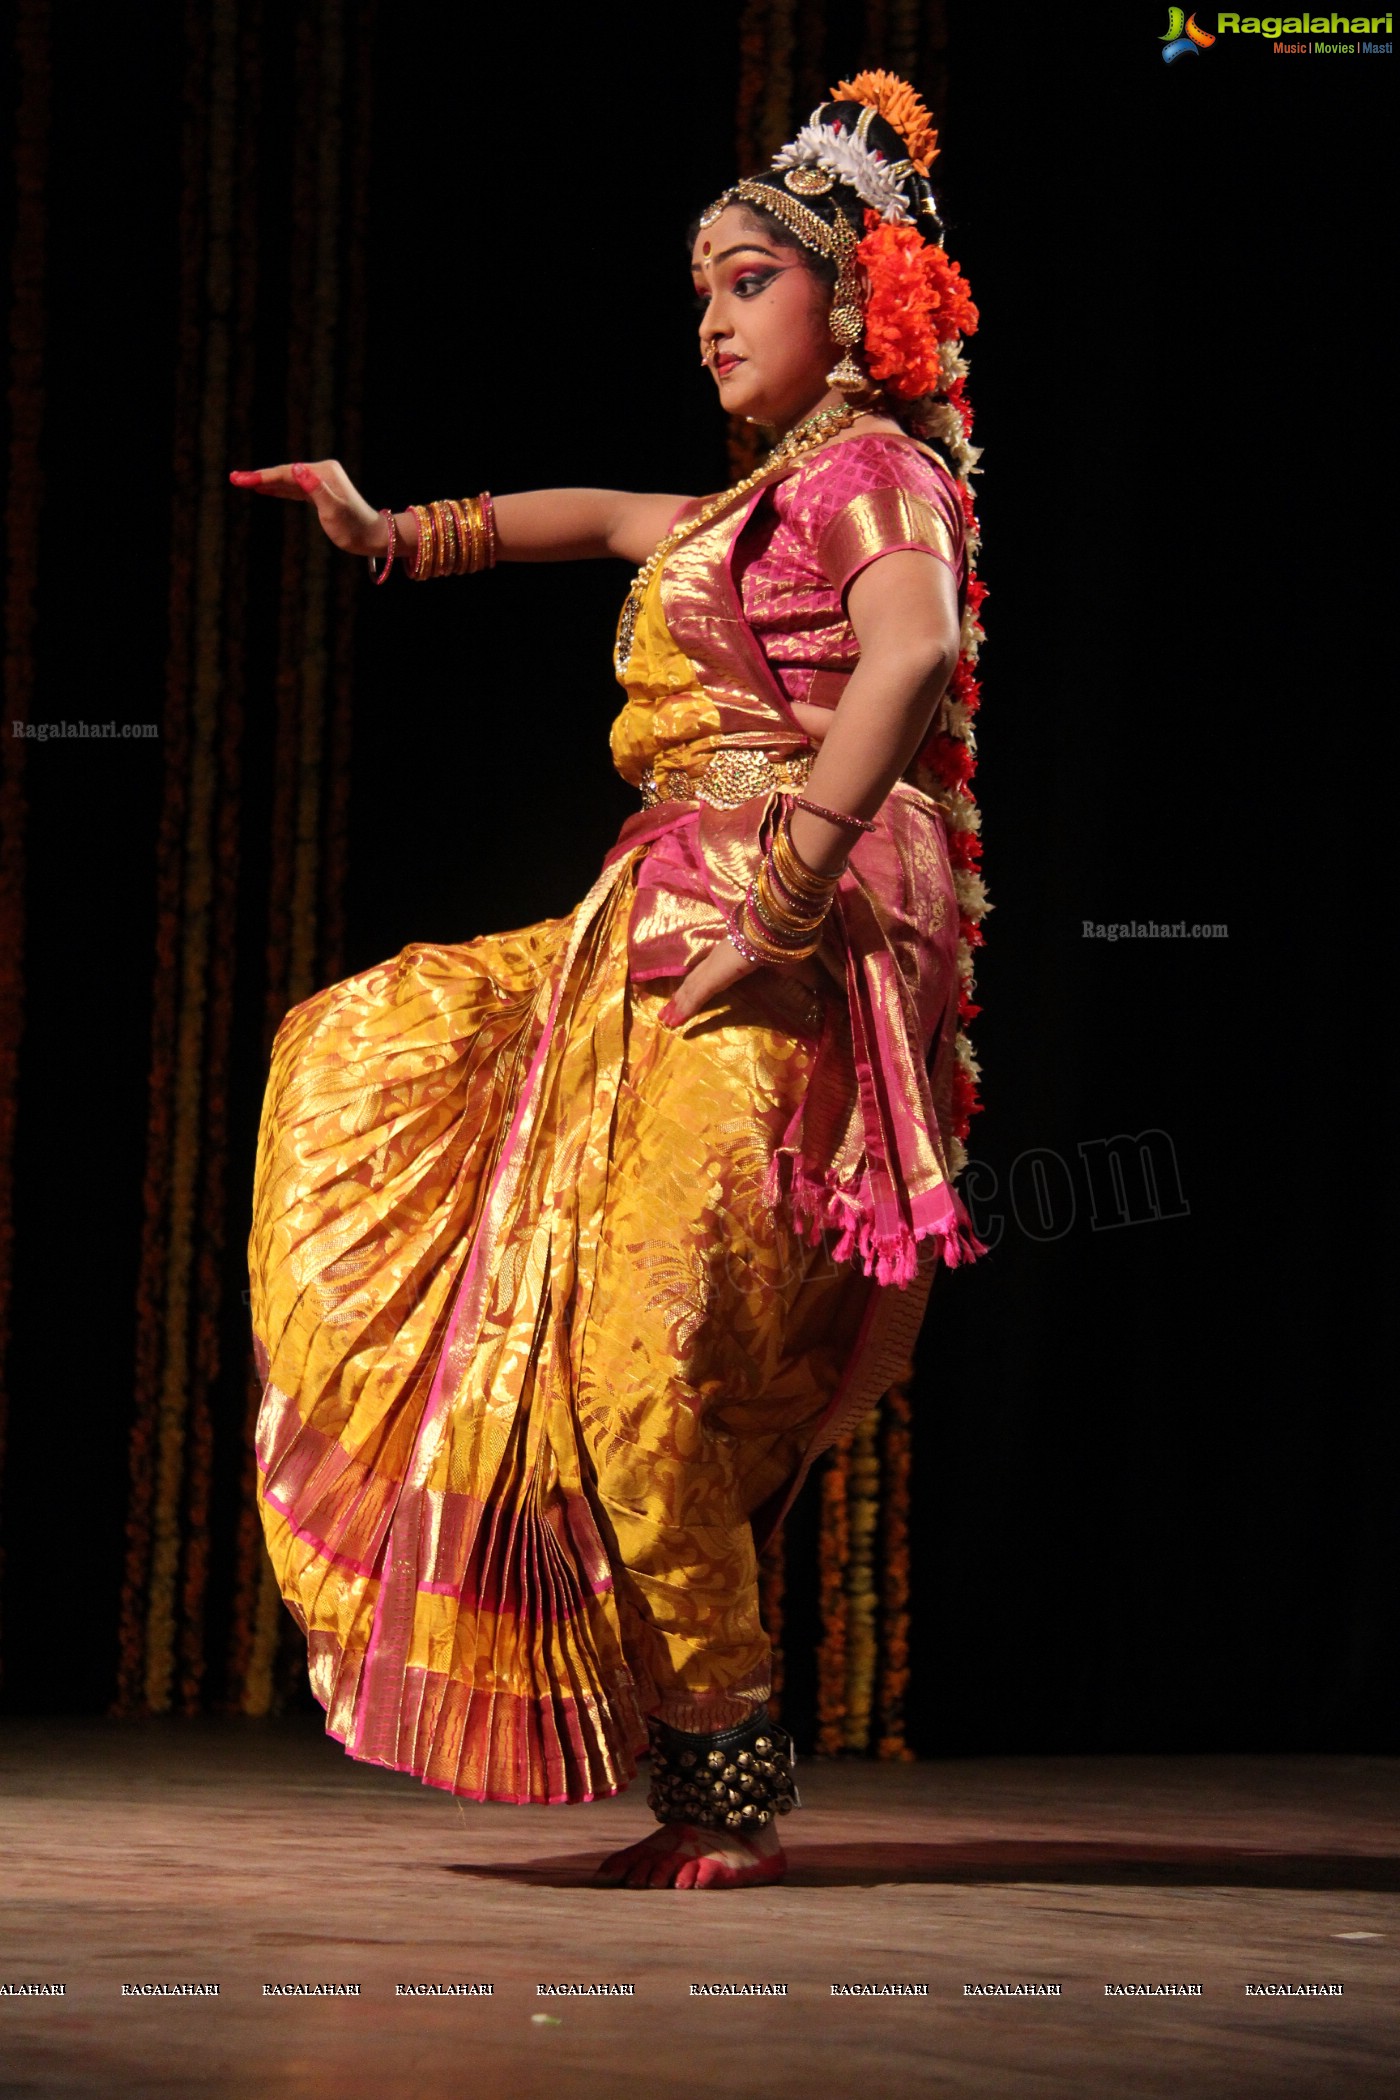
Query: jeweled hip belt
731, 777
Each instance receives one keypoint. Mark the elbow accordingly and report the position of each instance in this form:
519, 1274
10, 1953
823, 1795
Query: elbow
929, 672
943, 663
927, 667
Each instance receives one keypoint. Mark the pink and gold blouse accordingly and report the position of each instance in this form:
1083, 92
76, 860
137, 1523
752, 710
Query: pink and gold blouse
806, 543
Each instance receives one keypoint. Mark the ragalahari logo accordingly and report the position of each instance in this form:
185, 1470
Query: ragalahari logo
1183, 35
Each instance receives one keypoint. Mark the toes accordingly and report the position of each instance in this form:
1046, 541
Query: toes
663, 1873
687, 1874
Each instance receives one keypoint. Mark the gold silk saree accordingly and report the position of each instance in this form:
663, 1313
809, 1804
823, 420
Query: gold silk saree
554, 1306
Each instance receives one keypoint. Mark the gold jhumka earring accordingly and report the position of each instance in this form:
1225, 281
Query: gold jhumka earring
846, 375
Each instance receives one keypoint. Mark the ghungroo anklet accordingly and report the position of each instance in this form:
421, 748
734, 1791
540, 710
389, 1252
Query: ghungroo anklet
737, 1780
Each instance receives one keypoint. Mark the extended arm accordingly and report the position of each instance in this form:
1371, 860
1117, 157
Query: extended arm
536, 525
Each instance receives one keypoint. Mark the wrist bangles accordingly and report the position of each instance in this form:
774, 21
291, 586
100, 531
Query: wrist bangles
780, 917
454, 539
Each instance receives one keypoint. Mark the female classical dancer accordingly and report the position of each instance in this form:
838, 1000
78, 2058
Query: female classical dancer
573, 1246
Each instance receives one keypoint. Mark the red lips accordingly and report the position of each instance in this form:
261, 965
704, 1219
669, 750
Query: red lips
724, 363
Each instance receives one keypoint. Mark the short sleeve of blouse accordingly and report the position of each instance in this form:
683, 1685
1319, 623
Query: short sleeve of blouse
879, 497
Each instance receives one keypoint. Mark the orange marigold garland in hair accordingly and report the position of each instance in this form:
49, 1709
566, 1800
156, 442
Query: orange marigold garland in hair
900, 106
918, 300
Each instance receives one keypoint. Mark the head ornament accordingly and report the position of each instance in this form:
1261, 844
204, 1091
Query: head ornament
852, 186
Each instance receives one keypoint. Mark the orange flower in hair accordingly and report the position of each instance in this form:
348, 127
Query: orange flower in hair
903, 110
918, 299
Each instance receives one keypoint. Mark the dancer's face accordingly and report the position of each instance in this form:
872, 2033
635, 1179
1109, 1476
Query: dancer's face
765, 322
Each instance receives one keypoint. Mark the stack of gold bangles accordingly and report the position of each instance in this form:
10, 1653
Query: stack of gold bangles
780, 917
454, 539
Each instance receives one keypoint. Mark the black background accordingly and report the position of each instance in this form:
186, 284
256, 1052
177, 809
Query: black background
1154, 1487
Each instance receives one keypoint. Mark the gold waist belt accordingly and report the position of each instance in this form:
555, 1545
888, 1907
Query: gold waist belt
730, 778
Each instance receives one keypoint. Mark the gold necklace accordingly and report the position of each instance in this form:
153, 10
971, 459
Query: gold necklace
803, 437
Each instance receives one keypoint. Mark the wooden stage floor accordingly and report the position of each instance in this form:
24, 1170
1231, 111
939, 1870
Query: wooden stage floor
246, 1854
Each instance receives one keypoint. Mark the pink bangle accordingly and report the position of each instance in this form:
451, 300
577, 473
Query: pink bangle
381, 575
833, 816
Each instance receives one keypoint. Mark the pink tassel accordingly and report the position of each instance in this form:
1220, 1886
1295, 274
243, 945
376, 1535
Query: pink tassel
890, 1259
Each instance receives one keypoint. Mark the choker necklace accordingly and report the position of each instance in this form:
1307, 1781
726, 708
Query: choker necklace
805, 436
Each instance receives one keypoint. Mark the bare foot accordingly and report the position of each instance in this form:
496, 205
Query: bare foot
685, 1856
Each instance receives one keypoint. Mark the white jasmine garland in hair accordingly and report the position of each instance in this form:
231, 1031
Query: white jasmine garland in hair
842, 154
971, 892
958, 722
960, 812
950, 357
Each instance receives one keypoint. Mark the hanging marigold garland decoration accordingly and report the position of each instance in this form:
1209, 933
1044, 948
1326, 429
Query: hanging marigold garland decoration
862, 1597
831, 1654
894, 1603
772, 1588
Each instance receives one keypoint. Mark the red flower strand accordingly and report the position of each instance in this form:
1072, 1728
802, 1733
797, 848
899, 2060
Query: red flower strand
918, 299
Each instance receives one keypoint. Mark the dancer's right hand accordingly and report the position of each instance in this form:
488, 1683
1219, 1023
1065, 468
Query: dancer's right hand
346, 518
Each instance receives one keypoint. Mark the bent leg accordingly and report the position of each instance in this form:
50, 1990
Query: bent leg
714, 1342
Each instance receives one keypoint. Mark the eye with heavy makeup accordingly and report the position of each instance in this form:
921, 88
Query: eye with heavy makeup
745, 279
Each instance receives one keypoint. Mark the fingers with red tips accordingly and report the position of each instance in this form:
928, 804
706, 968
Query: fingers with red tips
245, 477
